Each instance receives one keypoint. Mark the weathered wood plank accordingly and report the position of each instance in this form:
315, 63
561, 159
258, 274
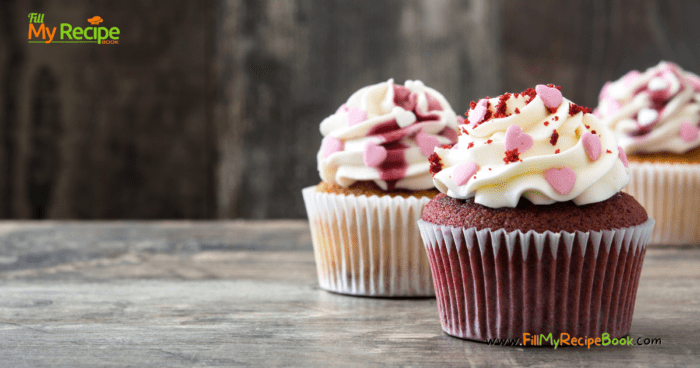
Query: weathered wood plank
108, 131
283, 66
151, 308
582, 44
33, 245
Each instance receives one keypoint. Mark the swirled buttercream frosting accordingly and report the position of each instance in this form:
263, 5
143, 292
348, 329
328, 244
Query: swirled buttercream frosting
536, 145
384, 133
654, 111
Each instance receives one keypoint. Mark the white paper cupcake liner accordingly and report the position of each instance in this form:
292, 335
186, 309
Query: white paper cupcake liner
494, 284
368, 246
671, 195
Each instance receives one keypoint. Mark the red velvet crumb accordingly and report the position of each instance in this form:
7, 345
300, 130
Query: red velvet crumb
447, 146
470, 145
530, 93
472, 105
546, 123
575, 109
557, 151
553, 109
501, 107
435, 164
511, 156
608, 151
489, 141
517, 110
487, 116
593, 131
555, 138
556, 118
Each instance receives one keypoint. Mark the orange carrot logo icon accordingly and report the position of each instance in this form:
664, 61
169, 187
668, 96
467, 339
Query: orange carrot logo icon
95, 20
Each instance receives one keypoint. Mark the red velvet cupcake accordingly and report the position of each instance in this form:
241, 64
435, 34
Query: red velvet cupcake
531, 234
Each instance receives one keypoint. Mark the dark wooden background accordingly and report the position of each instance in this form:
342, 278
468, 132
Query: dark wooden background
210, 109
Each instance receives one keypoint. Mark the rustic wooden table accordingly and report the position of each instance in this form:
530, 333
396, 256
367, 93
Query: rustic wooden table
184, 294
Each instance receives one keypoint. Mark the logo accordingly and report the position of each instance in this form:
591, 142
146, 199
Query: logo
41, 33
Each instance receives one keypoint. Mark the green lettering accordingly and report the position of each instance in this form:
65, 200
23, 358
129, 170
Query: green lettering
629, 341
606, 339
86, 35
114, 33
101, 36
78, 33
66, 32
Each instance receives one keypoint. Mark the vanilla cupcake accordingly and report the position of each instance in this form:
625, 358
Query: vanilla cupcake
656, 115
376, 178
531, 234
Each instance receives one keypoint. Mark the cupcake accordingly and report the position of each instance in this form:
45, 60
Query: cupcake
530, 234
376, 179
656, 116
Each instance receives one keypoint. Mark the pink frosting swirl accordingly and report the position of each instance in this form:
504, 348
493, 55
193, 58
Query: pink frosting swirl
384, 133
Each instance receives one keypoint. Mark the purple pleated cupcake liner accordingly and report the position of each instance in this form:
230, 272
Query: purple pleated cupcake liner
495, 284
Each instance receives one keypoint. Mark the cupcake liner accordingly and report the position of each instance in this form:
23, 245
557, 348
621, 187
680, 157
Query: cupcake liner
368, 246
495, 284
671, 195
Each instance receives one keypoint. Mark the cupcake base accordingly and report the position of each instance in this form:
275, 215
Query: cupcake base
368, 246
503, 284
670, 192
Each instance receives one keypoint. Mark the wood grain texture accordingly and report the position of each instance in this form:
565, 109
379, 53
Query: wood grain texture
283, 66
582, 44
108, 131
211, 109
155, 305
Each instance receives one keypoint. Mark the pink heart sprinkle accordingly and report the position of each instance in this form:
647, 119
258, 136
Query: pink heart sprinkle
373, 155
591, 143
515, 138
460, 120
623, 157
477, 115
550, 96
356, 116
427, 143
562, 180
462, 173
331, 145
689, 132
483, 102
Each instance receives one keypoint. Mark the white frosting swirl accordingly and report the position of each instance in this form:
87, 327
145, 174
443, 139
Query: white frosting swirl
500, 180
384, 133
647, 110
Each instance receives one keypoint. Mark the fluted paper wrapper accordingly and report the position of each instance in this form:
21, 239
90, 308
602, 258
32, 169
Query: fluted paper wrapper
368, 246
494, 284
671, 195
